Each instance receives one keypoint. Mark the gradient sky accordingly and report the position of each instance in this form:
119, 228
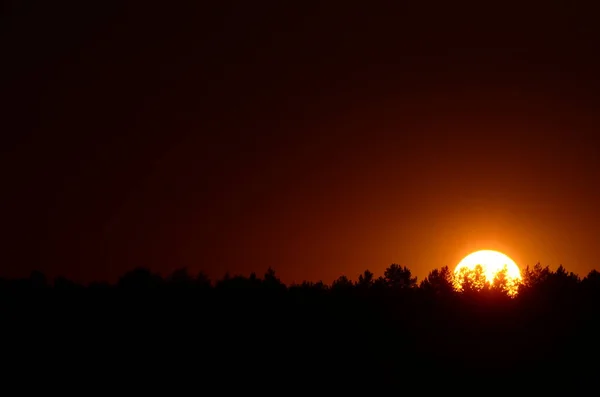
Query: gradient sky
317, 139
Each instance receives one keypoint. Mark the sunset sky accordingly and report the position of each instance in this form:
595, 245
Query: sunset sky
317, 139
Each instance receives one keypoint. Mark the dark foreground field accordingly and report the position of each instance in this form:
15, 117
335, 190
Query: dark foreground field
253, 333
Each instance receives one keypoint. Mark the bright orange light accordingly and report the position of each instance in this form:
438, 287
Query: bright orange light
492, 262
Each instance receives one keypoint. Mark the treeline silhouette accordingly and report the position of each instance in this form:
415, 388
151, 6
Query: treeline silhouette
384, 329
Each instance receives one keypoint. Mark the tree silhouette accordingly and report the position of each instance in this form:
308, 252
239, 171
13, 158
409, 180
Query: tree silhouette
271, 280
139, 279
62, 283
365, 280
542, 281
319, 285
181, 278
502, 285
470, 281
591, 283
202, 280
380, 283
342, 283
313, 286
38, 280
536, 276
399, 277
438, 281
564, 280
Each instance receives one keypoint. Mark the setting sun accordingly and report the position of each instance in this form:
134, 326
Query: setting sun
492, 263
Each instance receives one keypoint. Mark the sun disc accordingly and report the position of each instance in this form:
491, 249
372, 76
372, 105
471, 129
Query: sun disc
491, 262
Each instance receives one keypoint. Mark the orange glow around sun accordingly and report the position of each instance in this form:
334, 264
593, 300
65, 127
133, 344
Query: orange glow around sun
494, 266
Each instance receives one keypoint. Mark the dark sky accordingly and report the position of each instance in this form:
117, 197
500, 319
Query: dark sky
320, 139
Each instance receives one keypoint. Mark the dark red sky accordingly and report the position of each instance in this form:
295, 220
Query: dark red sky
320, 140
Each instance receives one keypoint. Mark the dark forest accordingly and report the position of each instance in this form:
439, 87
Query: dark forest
353, 332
